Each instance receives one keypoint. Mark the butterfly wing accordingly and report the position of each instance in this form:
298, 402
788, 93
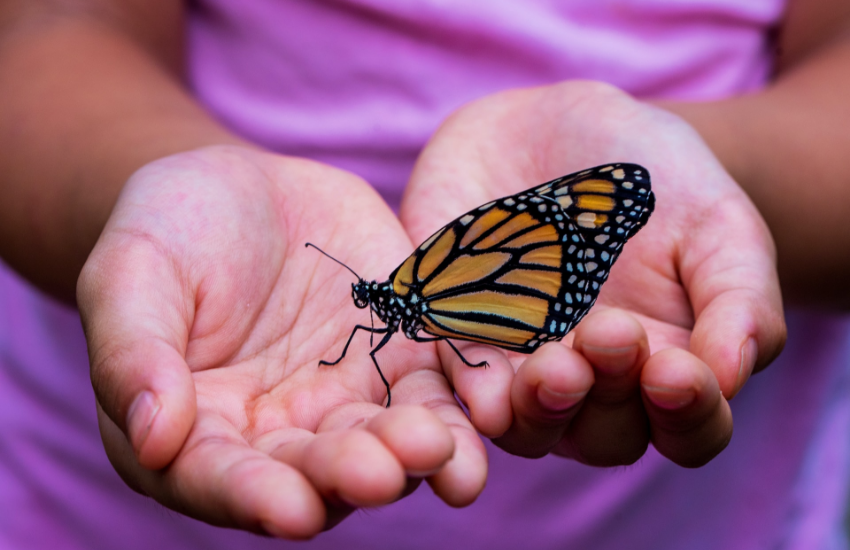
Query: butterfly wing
607, 205
524, 269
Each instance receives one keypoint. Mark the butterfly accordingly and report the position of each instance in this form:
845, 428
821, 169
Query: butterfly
516, 272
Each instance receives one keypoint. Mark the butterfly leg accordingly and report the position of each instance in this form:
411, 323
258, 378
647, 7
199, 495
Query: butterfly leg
462, 358
350, 338
372, 353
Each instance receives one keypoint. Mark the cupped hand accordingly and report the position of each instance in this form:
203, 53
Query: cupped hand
692, 306
206, 318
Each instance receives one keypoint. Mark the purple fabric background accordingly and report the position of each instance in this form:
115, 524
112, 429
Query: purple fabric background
361, 84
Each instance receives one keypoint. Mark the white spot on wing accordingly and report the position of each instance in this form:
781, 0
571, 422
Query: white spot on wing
426, 244
565, 201
586, 219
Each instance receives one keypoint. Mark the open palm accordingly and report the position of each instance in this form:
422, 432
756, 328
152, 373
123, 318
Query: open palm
697, 287
206, 319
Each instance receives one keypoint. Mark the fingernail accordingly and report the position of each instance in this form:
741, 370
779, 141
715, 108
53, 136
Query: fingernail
749, 353
669, 398
140, 418
558, 402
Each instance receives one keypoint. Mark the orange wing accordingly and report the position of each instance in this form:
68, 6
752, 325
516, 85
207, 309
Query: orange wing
525, 269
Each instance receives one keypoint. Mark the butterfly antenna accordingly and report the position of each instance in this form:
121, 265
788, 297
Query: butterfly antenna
359, 278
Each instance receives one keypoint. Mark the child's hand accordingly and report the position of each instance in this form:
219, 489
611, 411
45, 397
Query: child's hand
206, 318
700, 278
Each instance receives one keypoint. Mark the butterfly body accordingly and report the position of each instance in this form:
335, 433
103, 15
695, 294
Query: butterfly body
516, 272
391, 309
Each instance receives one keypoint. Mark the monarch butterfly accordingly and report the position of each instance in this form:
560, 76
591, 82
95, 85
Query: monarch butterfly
516, 272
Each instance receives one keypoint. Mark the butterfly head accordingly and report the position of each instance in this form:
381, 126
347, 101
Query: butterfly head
360, 294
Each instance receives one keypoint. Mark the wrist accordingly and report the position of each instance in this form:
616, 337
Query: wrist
719, 123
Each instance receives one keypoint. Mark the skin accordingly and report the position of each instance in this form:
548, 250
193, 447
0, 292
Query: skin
209, 398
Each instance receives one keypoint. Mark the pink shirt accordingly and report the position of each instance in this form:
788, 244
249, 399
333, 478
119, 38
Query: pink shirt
361, 84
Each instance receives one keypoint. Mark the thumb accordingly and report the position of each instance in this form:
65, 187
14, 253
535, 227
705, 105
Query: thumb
129, 300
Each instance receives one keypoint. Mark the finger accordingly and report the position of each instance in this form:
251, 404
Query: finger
611, 428
690, 420
219, 479
452, 457
737, 334
547, 392
485, 391
351, 467
432, 439
135, 340
416, 436
462, 477
364, 455
735, 293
